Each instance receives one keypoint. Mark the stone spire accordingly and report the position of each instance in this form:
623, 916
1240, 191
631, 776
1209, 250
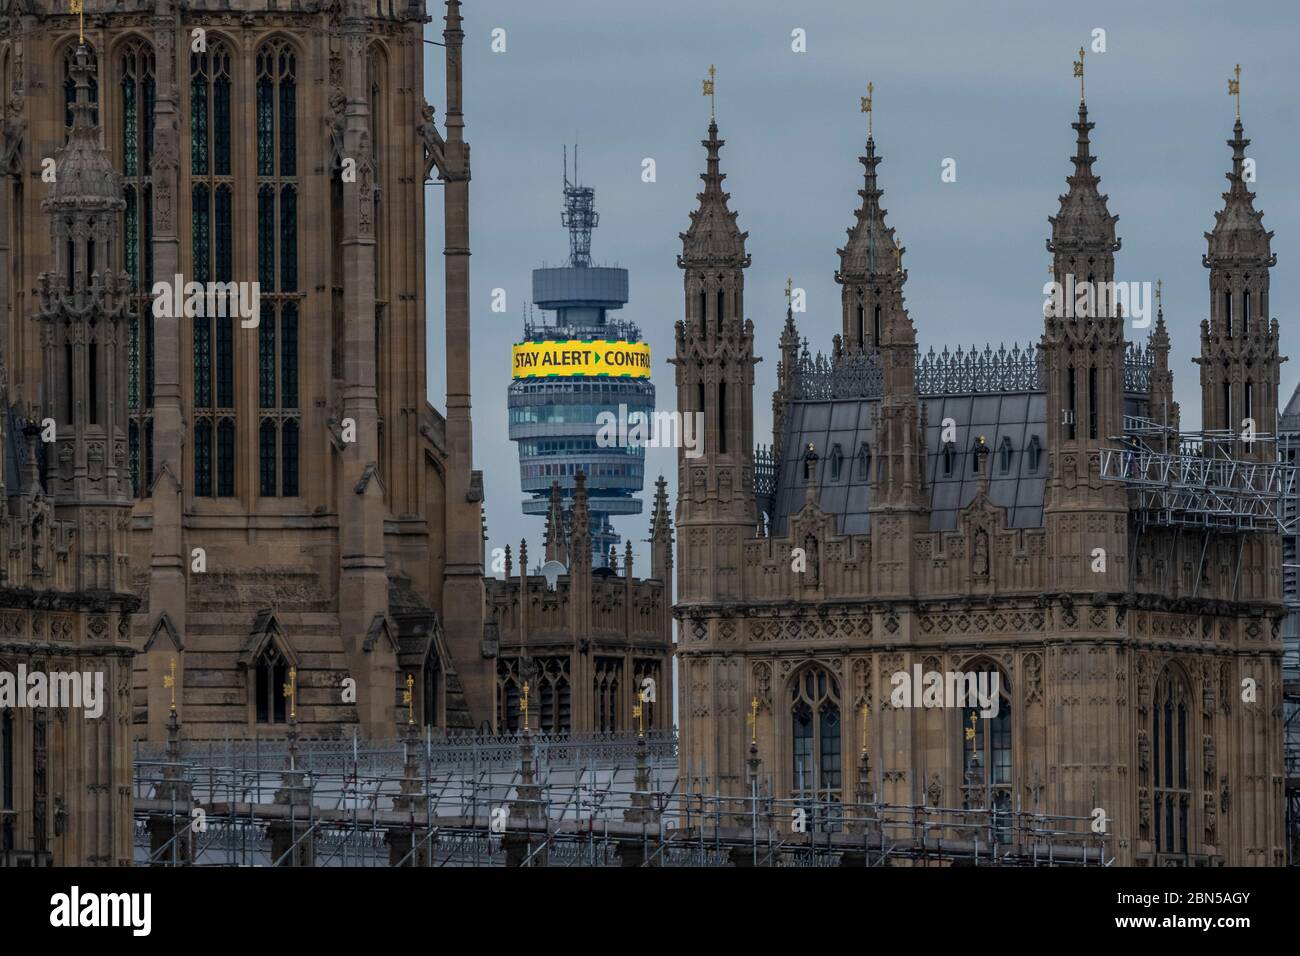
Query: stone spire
556, 543
83, 308
661, 534
1239, 236
1240, 361
1163, 407
1083, 242
871, 273
870, 251
713, 238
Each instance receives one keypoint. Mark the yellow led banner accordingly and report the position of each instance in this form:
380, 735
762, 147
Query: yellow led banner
581, 357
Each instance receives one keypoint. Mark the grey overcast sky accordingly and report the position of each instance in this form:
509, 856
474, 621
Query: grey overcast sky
987, 84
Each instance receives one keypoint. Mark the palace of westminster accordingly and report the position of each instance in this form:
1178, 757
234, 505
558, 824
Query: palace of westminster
250, 535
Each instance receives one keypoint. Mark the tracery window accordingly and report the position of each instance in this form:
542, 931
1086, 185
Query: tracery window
212, 257
816, 745
1170, 731
607, 683
271, 674
987, 758
277, 270
135, 134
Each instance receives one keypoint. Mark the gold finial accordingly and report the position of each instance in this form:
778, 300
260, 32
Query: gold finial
970, 733
290, 690
708, 91
169, 680
866, 106
1234, 88
753, 721
79, 8
523, 706
638, 712
408, 698
1078, 71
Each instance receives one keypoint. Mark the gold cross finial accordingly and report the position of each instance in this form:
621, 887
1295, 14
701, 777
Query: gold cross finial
708, 91
970, 732
169, 680
1234, 87
1078, 71
79, 8
291, 692
638, 712
1159, 289
866, 106
408, 698
789, 290
523, 706
753, 721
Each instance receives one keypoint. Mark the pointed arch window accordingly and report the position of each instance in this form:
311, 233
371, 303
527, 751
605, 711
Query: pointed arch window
837, 461
816, 746
1227, 312
877, 328
212, 260
430, 684
1245, 308
1035, 453
864, 462
987, 781
277, 269
136, 90
862, 326
1004, 454
271, 673
947, 459
1092, 401
607, 682
1071, 398
1170, 732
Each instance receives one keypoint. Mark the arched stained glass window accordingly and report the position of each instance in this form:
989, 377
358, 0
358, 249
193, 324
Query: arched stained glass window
212, 260
135, 126
277, 269
816, 745
987, 756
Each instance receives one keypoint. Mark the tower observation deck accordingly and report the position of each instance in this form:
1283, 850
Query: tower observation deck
570, 370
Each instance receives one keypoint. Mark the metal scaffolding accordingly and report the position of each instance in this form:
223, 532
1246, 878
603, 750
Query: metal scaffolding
1199, 480
541, 800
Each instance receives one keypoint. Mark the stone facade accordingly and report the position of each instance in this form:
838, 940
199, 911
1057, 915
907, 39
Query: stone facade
584, 640
809, 576
65, 605
299, 504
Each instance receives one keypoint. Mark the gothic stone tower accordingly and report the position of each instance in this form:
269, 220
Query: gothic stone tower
65, 768
292, 483
716, 509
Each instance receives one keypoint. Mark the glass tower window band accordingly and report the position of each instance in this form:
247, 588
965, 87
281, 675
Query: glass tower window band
212, 259
279, 415
135, 125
